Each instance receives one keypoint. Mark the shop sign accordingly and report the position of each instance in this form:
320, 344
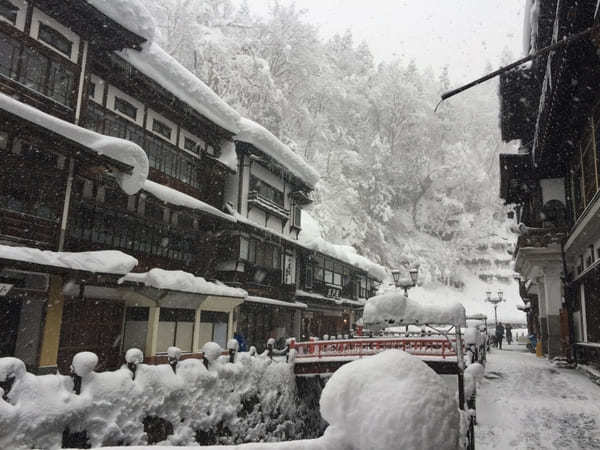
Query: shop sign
334, 293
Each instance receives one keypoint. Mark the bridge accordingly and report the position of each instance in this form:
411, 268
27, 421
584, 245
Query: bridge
325, 357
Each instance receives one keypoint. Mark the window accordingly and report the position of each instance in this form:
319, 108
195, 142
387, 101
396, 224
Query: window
55, 39
92, 90
175, 328
9, 11
9, 54
297, 218
124, 107
136, 328
161, 128
328, 274
214, 326
266, 191
243, 248
190, 145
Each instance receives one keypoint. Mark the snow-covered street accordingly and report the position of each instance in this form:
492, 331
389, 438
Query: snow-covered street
526, 402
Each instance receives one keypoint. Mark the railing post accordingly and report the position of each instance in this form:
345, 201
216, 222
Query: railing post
133, 357
82, 366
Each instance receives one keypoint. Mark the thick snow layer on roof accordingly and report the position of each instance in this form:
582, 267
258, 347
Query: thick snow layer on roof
103, 261
178, 280
255, 134
120, 150
310, 237
229, 156
390, 400
130, 14
394, 308
155, 63
272, 301
177, 198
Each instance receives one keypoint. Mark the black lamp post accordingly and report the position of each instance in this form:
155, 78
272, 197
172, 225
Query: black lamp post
495, 302
406, 284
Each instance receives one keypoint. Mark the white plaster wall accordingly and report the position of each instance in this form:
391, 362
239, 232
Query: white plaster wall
274, 223
257, 216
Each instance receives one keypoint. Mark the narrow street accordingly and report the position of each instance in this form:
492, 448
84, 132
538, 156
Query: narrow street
525, 402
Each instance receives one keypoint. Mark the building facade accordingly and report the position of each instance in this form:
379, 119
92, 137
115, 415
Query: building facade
552, 107
111, 145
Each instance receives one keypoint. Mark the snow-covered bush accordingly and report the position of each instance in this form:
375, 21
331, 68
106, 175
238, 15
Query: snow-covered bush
252, 399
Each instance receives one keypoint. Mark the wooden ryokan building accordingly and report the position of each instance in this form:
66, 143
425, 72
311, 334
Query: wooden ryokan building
110, 144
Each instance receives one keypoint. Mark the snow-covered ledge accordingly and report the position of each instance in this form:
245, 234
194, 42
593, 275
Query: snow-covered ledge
180, 281
121, 150
103, 261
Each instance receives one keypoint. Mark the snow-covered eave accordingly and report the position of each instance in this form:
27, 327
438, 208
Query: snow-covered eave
256, 135
129, 160
275, 302
176, 198
155, 63
340, 302
129, 15
180, 281
101, 262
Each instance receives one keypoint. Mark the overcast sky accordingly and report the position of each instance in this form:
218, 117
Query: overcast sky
463, 34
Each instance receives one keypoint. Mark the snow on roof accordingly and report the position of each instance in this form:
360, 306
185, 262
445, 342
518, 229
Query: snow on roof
154, 62
310, 237
340, 301
103, 261
177, 198
130, 14
178, 280
228, 156
255, 134
271, 301
394, 308
120, 150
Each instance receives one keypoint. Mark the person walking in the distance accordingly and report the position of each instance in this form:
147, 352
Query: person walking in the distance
499, 335
508, 329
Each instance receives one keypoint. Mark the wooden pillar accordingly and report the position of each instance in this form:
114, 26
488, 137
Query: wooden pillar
152, 335
196, 344
230, 325
52, 324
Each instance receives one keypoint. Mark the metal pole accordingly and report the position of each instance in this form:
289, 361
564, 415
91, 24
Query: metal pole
543, 51
496, 314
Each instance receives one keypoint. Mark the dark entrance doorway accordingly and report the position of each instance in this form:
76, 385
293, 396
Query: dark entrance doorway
10, 313
92, 325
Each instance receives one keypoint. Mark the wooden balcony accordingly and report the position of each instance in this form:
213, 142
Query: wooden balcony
28, 230
257, 200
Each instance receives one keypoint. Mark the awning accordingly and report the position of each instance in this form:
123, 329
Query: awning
337, 301
274, 302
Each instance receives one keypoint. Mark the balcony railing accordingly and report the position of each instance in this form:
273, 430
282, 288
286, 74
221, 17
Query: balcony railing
541, 237
28, 230
254, 198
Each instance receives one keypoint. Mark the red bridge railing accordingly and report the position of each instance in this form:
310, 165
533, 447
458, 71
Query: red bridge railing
434, 347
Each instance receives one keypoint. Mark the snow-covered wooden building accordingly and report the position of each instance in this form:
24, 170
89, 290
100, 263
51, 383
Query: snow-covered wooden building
110, 144
552, 106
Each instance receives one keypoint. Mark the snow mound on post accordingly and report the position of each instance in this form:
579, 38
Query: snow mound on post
155, 63
120, 150
393, 309
310, 237
178, 280
102, 261
130, 14
84, 363
390, 400
255, 134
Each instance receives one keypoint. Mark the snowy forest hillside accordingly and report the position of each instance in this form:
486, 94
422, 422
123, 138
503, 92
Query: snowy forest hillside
401, 183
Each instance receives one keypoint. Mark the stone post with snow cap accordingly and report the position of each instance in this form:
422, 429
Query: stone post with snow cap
133, 358
232, 348
82, 367
173, 356
553, 299
270, 347
210, 353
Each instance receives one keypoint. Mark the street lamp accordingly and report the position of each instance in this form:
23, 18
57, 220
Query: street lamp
406, 284
495, 302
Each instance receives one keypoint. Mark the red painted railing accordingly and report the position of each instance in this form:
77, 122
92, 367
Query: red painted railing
357, 348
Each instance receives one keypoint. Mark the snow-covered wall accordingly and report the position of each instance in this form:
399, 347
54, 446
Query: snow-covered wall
252, 399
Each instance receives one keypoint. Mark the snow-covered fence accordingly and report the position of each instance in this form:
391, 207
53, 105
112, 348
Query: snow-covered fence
187, 401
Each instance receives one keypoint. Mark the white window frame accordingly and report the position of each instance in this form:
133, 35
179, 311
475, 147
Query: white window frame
183, 133
100, 88
21, 14
110, 104
40, 17
583, 313
154, 115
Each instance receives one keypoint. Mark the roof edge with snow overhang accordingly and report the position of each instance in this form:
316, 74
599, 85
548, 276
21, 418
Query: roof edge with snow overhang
274, 302
255, 134
120, 150
112, 262
177, 198
169, 73
180, 281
